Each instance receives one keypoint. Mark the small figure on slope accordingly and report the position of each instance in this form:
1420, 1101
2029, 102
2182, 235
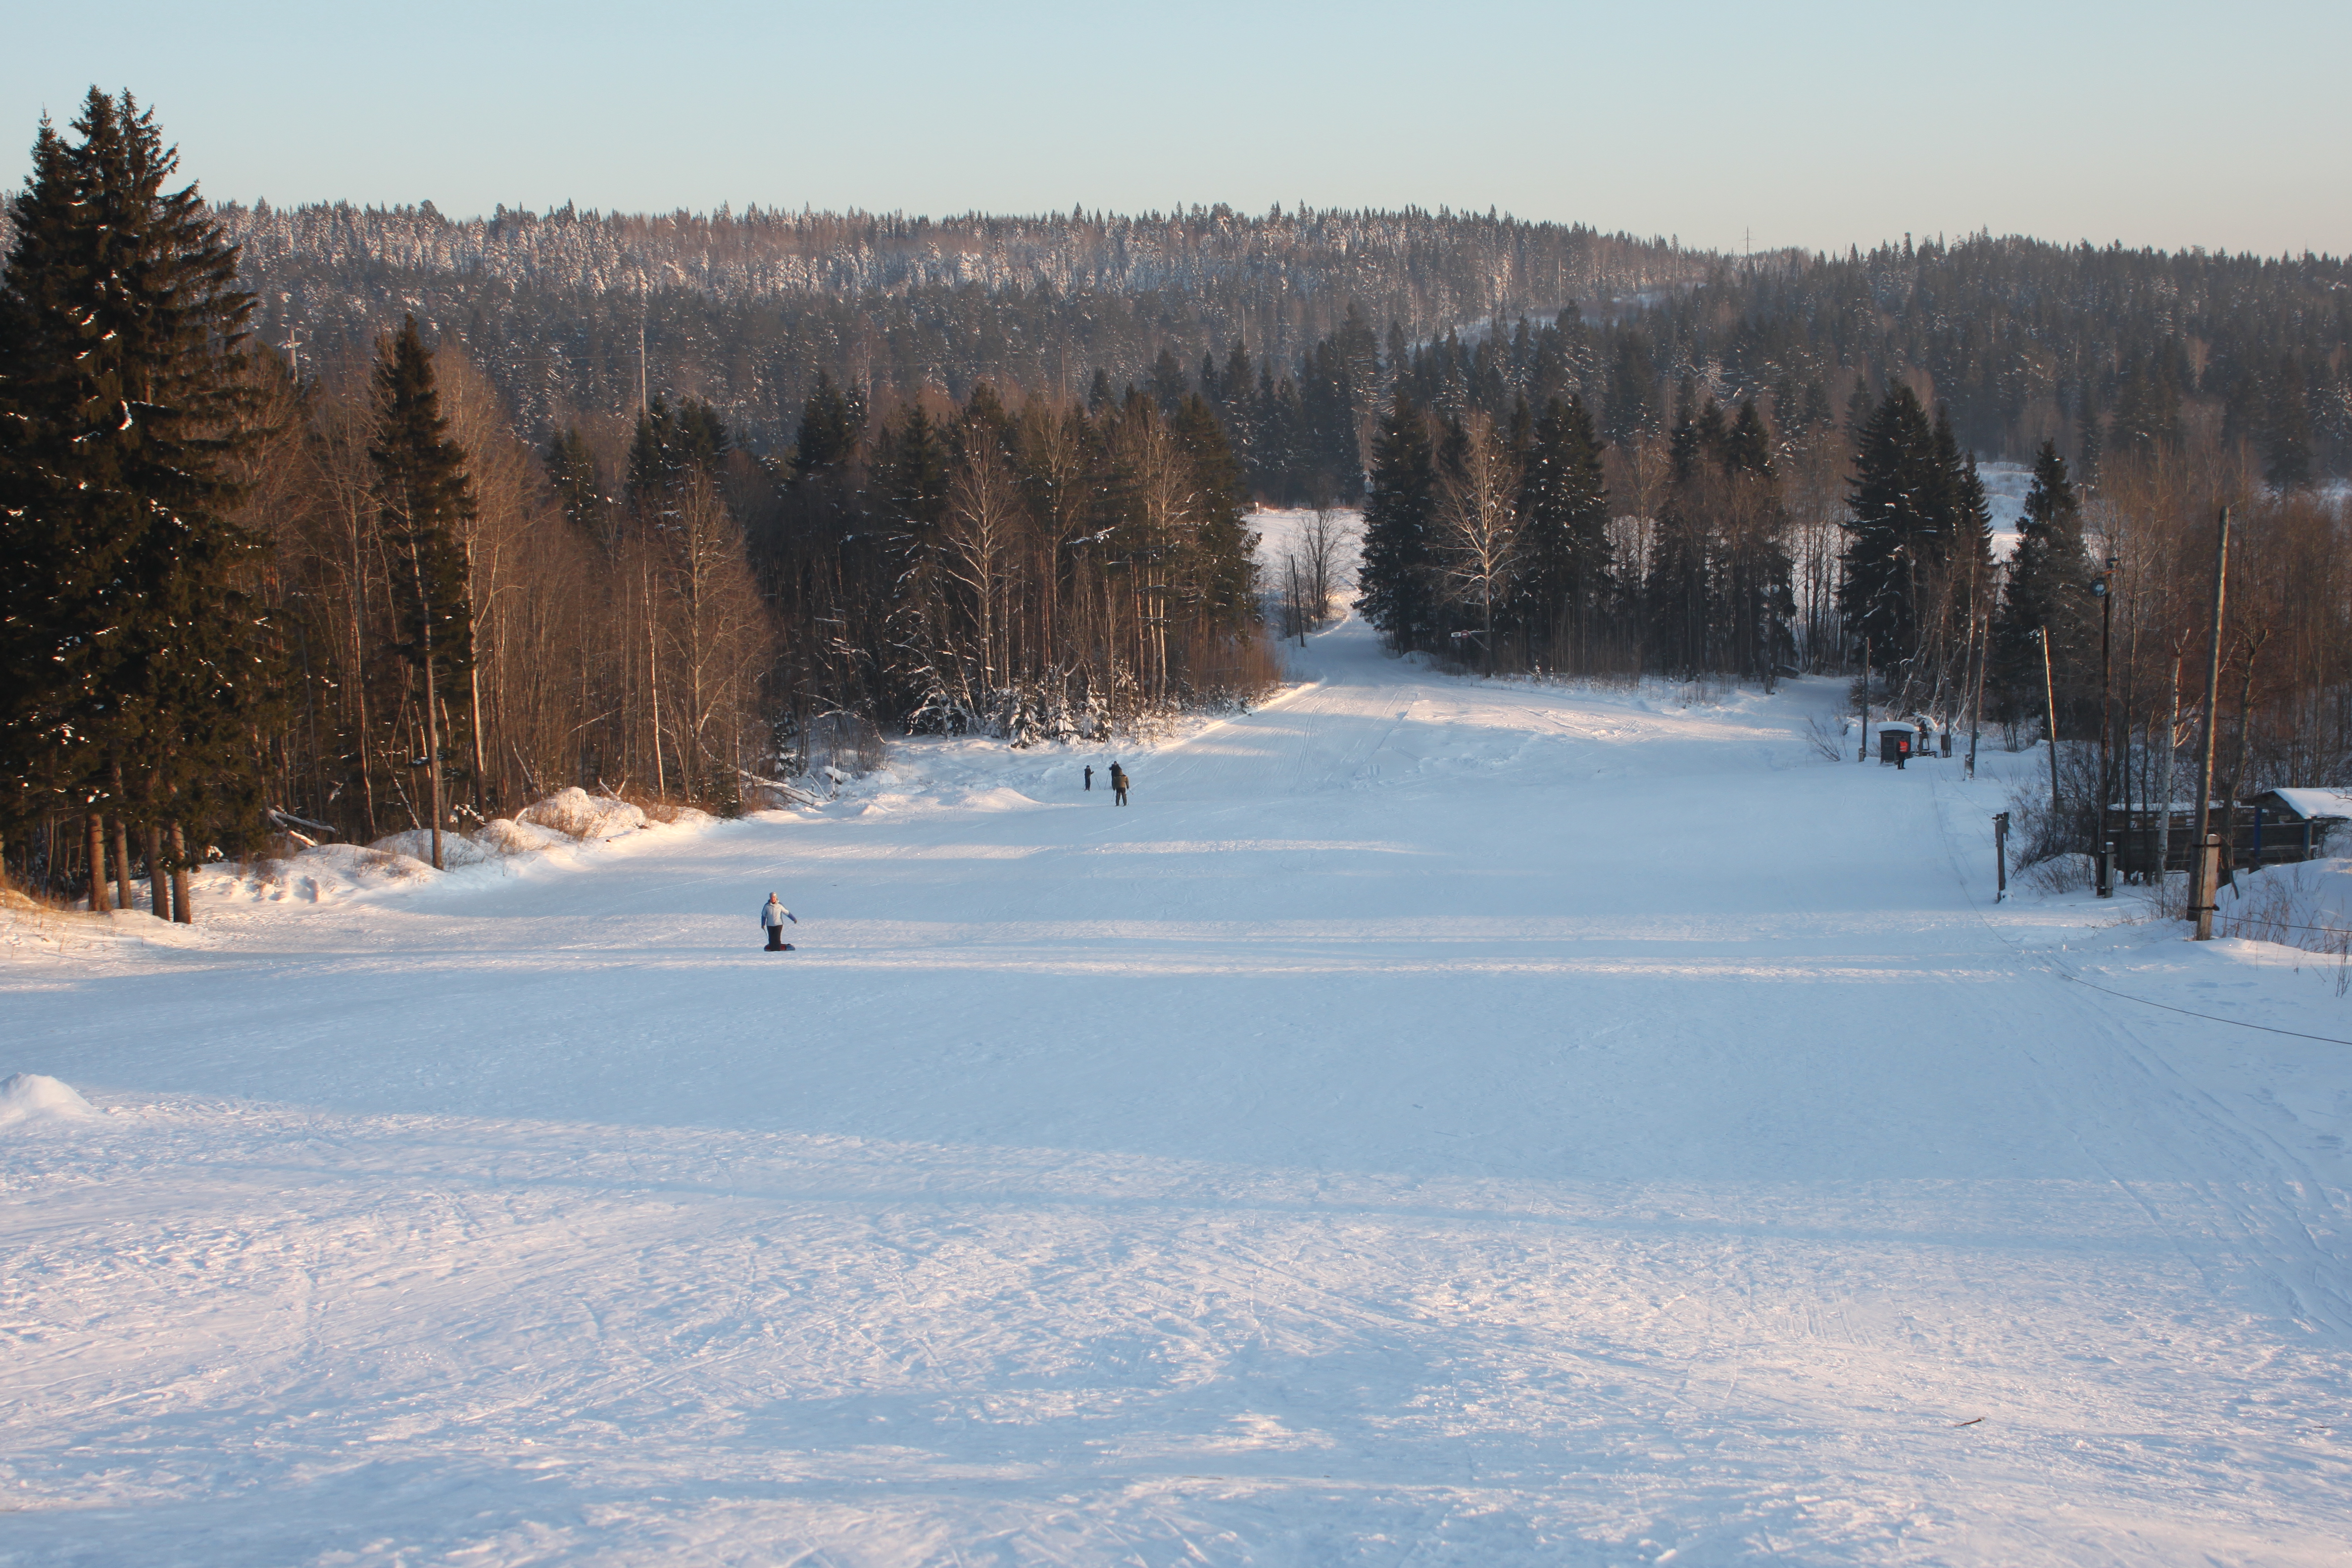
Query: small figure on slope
772, 916
1090, 775
1118, 784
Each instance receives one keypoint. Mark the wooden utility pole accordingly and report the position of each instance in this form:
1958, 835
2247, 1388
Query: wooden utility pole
2209, 874
1861, 752
2164, 783
2107, 591
2050, 712
2207, 868
1976, 702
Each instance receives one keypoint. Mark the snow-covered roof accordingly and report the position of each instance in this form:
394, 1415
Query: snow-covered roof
2313, 804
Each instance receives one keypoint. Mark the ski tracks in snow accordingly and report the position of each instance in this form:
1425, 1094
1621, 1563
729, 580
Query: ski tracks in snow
1439, 1121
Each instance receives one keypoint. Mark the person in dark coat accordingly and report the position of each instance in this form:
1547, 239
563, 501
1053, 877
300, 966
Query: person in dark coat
1118, 784
772, 916
1090, 775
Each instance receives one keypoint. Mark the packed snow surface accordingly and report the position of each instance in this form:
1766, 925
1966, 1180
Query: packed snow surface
1437, 1122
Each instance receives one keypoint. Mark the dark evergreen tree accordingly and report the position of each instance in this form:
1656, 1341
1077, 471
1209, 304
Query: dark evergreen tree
572, 474
1757, 590
2287, 432
671, 444
1899, 506
1858, 407
1564, 575
910, 469
1169, 387
1227, 570
425, 499
1395, 592
2047, 593
1680, 615
1634, 406
137, 665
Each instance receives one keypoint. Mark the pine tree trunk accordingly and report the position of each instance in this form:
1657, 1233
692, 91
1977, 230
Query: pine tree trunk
94, 847
121, 848
181, 912
159, 897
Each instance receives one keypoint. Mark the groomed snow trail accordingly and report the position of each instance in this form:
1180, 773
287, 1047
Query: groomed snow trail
1438, 1121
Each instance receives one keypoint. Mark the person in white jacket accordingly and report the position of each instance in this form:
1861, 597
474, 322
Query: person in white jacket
772, 916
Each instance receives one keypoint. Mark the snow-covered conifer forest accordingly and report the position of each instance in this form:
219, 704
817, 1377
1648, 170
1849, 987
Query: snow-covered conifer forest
1513, 1080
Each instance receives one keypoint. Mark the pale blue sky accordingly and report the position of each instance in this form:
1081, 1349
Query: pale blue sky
1808, 122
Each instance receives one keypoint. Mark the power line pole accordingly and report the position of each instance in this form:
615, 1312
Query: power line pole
2050, 711
2201, 876
1976, 702
1861, 752
2105, 590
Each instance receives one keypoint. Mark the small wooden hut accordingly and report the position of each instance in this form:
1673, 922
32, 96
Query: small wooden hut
2275, 826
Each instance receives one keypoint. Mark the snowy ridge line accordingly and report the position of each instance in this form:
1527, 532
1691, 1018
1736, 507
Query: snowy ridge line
2063, 973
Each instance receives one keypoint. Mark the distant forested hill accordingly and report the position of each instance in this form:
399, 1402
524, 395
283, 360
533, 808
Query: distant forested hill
2023, 340
743, 310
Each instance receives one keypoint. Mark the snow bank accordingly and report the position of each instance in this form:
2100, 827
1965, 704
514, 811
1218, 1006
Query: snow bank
577, 815
34, 1097
564, 822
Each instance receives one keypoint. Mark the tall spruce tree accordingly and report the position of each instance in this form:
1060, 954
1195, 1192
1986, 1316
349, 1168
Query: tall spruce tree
1397, 596
1635, 406
425, 499
136, 667
1757, 594
1899, 505
1227, 568
572, 474
1564, 542
2047, 594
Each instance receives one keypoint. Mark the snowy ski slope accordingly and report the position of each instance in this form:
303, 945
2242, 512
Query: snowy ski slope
1438, 1121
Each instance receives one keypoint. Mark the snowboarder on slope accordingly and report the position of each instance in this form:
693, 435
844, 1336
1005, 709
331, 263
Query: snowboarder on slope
772, 916
1118, 784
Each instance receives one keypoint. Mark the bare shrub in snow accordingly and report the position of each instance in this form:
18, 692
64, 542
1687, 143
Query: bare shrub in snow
13, 897
840, 746
2068, 873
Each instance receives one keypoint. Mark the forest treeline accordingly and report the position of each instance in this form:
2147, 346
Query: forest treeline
397, 571
242, 603
1745, 543
569, 315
